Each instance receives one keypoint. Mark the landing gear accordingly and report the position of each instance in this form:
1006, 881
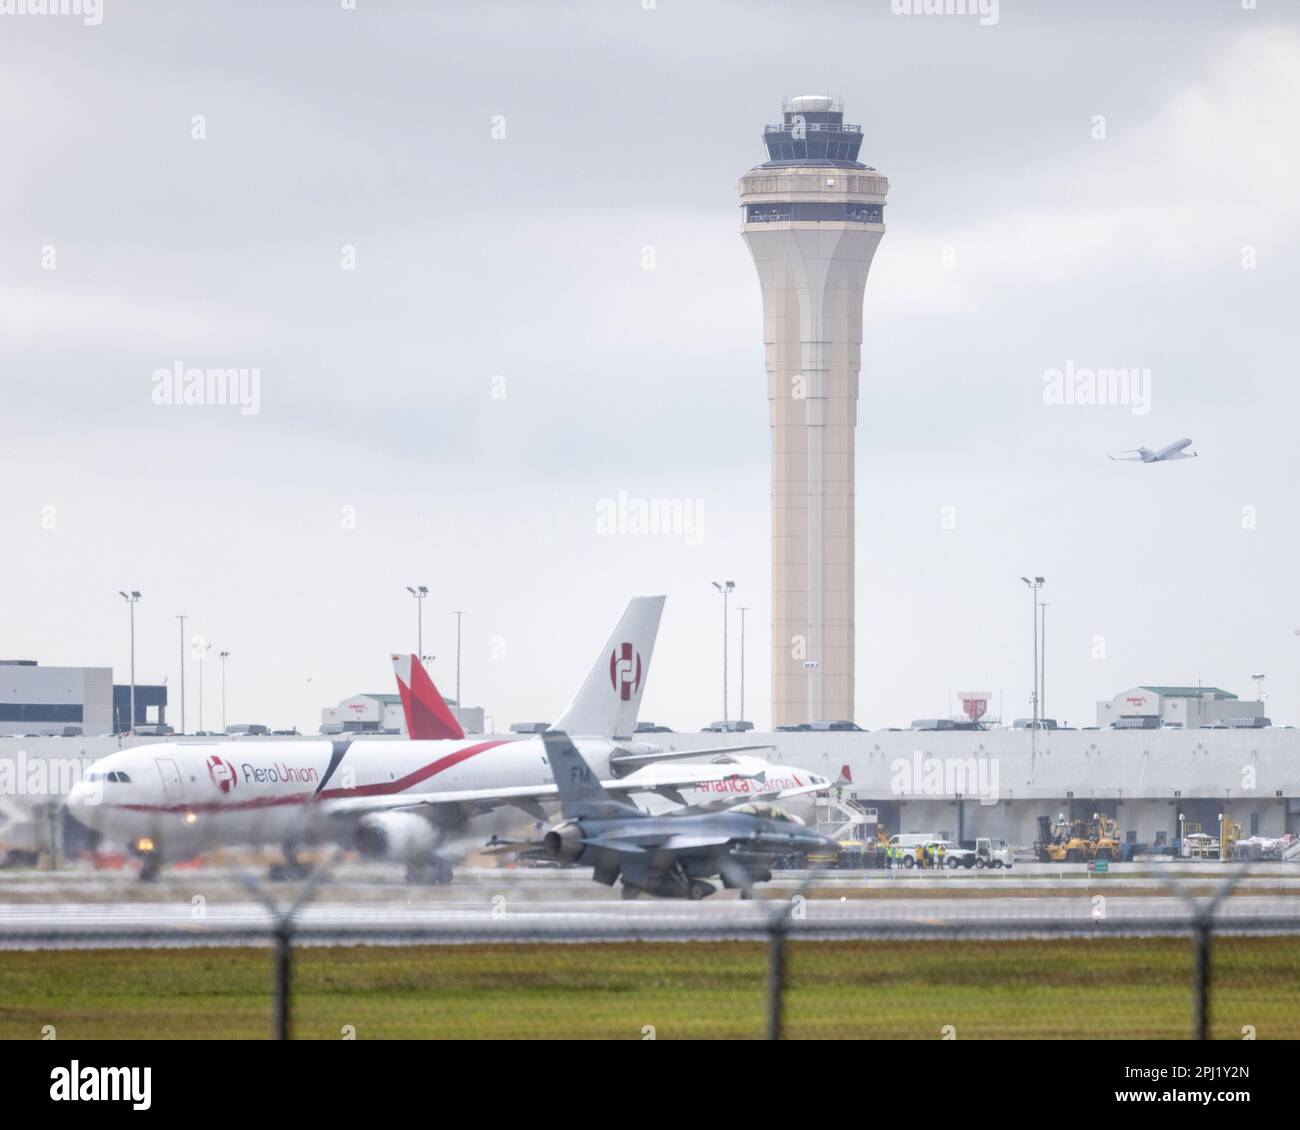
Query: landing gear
697, 889
151, 867
429, 872
291, 868
628, 893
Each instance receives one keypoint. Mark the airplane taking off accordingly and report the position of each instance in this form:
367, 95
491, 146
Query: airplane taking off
672, 855
404, 801
428, 718
1175, 450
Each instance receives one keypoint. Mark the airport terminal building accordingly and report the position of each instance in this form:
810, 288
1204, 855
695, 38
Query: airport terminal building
72, 701
52, 700
964, 784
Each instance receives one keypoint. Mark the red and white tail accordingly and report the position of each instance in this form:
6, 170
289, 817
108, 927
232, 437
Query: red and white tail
428, 718
606, 706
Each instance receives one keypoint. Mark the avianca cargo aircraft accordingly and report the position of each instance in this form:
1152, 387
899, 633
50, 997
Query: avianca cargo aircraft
406, 801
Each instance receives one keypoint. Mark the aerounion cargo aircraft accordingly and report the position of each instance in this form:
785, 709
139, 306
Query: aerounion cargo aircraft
405, 801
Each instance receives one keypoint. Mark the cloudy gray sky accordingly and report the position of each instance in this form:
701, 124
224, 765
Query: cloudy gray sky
500, 360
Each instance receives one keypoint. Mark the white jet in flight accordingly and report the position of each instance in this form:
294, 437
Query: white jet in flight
1175, 450
406, 801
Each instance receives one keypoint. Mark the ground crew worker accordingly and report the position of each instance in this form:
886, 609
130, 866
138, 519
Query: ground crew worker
939, 853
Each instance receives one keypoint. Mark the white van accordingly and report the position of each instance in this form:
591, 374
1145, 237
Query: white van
913, 839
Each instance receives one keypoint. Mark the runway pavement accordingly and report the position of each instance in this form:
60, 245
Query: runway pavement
370, 904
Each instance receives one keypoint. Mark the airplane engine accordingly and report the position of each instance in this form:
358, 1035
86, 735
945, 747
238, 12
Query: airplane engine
401, 836
564, 842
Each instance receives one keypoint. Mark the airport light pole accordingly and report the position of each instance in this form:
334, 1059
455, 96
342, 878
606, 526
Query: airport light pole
131, 599
200, 648
182, 619
224, 656
458, 616
742, 609
1042, 667
726, 588
419, 592
1034, 585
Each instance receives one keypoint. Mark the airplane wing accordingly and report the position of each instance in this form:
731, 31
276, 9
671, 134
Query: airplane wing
773, 793
623, 757
482, 800
1123, 458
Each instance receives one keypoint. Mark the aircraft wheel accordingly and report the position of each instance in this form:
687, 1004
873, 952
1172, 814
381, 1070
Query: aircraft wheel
698, 890
433, 873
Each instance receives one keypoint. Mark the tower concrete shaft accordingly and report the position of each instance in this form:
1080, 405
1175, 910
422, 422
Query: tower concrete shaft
812, 217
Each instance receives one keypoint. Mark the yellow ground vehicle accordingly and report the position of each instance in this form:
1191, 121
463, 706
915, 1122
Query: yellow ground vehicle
1077, 841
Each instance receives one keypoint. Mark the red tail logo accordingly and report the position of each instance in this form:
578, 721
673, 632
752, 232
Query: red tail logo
625, 671
222, 773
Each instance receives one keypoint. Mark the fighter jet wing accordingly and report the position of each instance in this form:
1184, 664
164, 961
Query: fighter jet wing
623, 847
687, 843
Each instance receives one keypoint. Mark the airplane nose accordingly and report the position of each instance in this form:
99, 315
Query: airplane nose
83, 803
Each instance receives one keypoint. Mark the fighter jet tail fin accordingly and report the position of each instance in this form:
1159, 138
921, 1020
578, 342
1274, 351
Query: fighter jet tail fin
607, 704
579, 789
428, 718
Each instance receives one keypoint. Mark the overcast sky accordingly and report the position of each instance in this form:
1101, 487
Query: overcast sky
452, 411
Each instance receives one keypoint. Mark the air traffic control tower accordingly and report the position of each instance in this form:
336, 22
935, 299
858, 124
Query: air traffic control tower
812, 216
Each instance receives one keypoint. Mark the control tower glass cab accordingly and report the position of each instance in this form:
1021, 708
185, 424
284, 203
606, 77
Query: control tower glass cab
812, 216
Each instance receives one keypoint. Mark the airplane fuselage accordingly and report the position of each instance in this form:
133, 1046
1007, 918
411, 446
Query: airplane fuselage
185, 797
174, 800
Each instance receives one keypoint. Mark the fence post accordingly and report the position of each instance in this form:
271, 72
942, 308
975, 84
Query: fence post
1201, 1013
283, 974
776, 976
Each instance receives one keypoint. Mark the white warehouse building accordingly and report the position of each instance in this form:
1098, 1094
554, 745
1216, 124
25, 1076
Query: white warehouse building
1184, 708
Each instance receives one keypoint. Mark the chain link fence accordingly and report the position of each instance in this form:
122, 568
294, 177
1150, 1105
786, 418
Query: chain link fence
503, 965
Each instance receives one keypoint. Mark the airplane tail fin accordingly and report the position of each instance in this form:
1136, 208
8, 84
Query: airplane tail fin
428, 718
579, 789
607, 704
